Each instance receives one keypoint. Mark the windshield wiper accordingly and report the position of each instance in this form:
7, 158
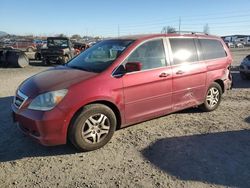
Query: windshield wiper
79, 68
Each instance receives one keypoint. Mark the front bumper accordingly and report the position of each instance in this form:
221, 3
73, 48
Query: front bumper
48, 128
246, 71
227, 80
53, 58
228, 84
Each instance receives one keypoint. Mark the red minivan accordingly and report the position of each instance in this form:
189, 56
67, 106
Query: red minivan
119, 82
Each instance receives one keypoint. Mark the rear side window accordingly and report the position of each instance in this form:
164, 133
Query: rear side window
183, 50
211, 49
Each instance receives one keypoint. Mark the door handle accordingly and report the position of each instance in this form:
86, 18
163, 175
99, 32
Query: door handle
163, 74
180, 72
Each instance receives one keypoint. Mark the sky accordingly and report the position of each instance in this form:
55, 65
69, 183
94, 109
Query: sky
116, 17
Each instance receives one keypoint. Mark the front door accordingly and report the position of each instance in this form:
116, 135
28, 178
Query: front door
148, 93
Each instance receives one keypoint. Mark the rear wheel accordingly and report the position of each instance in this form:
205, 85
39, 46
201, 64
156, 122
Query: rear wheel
93, 128
213, 98
38, 56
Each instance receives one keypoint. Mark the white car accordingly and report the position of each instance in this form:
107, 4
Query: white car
240, 45
230, 45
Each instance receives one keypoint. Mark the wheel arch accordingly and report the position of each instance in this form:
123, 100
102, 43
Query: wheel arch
221, 83
111, 105
114, 108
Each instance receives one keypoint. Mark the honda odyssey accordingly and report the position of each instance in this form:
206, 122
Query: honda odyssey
119, 82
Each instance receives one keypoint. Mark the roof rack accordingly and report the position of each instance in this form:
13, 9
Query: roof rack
191, 32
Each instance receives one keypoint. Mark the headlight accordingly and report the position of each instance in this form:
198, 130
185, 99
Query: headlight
47, 101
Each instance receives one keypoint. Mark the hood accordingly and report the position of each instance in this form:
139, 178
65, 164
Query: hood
57, 78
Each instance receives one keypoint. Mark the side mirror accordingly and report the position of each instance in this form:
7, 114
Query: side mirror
133, 66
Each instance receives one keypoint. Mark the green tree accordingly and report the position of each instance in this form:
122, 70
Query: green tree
76, 36
61, 35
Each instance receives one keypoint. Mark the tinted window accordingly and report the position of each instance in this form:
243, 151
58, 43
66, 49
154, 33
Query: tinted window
151, 54
211, 49
184, 50
54, 42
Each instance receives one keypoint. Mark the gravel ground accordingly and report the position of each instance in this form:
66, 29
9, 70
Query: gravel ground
184, 149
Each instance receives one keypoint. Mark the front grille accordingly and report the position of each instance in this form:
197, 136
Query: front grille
19, 99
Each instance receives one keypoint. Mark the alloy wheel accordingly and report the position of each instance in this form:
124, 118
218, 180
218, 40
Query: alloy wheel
213, 97
95, 128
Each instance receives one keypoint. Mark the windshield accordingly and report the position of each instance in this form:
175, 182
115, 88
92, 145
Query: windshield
100, 56
58, 43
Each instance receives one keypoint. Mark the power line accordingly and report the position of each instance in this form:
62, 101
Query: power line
185, 22
192, 18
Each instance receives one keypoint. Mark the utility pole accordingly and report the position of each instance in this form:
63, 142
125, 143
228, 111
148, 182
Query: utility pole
179, 25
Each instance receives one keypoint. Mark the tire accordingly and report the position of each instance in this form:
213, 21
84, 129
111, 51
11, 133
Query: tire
93, 127
213, 98
38, 56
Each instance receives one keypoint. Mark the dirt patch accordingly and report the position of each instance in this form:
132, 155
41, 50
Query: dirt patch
184, 149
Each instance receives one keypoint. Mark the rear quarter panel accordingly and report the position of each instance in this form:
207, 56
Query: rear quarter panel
216, 69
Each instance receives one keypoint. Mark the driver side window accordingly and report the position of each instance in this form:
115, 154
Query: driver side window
151, 55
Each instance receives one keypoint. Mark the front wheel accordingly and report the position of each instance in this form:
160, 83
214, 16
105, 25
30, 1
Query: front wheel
213, 98
93, 128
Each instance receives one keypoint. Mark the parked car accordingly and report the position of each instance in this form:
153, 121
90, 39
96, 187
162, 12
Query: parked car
229, 44
39, 42
24, 45
38, 54
245, 68
119, 82
80, 47
59, 50
239, 45
235, 44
